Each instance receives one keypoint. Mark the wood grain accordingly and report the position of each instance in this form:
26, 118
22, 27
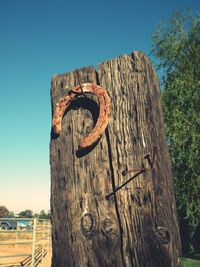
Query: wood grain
137, 225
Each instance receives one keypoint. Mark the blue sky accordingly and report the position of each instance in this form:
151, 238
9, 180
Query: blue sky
41, 38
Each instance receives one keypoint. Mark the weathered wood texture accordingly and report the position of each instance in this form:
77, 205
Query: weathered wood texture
137, 226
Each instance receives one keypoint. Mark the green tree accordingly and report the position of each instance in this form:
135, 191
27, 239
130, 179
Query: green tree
3, 211
26, 214
44, 215
11, 214
176, 46
49, 215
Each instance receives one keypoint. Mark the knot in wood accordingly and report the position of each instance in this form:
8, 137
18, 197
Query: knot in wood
109, 228
163, 234
88, 224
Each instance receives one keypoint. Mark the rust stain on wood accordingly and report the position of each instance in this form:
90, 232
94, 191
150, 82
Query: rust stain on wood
104, 111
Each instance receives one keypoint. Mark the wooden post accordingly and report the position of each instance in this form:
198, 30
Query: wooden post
92, 224
33, 242
17, 234
43, 239
49, 236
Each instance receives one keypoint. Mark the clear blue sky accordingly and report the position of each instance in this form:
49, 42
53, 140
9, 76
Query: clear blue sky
43, 37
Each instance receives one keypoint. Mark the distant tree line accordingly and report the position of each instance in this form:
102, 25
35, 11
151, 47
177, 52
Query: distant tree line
4, 212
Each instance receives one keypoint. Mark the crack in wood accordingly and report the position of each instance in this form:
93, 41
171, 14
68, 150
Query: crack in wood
115, 197
88, 235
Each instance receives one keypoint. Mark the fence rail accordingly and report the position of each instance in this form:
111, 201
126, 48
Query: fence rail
36, 236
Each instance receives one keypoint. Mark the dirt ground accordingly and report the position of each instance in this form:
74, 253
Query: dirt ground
21, 249
46, 261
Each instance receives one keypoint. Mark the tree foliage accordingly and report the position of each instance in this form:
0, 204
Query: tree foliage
176, 45
3, 211
44, 215
26, 214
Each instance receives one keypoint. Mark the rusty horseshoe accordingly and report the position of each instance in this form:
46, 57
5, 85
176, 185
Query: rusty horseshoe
104, 111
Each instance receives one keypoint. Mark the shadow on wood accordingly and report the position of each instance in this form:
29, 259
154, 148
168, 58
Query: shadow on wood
138, 225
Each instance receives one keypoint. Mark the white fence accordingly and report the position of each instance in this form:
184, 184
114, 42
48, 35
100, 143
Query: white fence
24, 246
